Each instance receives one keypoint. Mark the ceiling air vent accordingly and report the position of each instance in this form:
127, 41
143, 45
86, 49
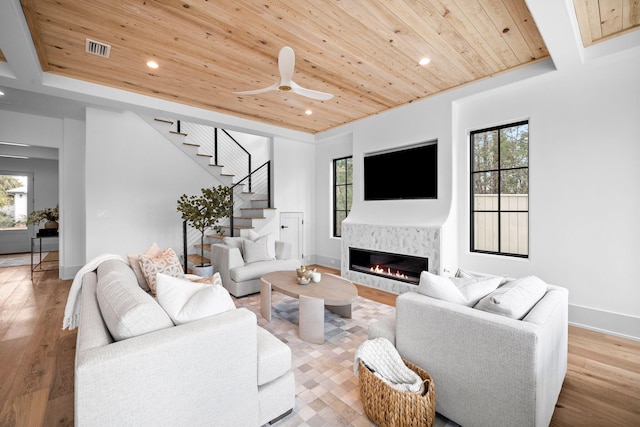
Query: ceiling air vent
97, 48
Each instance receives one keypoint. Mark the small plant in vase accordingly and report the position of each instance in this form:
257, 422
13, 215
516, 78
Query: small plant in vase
51, 215
203, 211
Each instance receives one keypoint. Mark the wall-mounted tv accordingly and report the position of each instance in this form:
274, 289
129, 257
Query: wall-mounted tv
406, 173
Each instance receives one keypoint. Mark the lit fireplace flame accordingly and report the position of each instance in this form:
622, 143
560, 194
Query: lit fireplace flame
379, 270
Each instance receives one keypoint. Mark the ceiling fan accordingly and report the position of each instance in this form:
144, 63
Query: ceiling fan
286, 62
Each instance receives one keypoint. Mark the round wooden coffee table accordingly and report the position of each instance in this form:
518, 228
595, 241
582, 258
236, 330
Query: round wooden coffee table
333, 292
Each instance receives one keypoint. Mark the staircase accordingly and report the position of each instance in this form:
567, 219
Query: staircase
203, 145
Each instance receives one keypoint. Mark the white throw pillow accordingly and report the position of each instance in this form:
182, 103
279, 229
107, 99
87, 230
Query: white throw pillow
472, 274
515, 299
257, 251
186, 301
271, 242
465, 291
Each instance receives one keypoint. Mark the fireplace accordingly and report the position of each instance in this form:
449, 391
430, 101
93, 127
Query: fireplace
405, 268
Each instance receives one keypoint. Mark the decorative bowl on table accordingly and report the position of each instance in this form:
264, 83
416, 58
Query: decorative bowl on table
304, 280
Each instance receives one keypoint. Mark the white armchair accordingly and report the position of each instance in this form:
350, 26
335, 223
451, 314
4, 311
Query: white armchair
240, 270
487, 369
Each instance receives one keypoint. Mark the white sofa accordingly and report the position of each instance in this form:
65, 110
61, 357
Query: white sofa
219, 370
488, 370
242, 277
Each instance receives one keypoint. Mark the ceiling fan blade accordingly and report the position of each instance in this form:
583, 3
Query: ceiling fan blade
286, 63
257, 91
309, 93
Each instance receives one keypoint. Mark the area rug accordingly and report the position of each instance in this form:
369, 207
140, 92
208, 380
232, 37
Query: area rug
327, 391
17, 260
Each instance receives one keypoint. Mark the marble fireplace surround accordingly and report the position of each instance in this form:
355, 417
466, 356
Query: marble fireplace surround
407, 240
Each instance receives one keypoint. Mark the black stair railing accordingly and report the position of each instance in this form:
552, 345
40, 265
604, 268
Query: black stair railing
265, 166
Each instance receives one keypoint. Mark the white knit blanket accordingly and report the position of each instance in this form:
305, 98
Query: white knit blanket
382, 358
72, 309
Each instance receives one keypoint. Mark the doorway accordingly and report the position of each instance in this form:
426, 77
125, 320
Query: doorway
292, 231
16, 201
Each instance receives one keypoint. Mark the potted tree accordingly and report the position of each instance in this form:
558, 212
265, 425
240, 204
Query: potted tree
203, 212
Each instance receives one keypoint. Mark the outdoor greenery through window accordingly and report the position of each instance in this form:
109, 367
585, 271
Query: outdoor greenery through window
500, 190
342, 192
13, 202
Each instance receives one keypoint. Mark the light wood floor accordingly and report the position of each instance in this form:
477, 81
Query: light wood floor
602, 387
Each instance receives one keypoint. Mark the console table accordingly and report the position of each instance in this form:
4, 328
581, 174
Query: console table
37, 266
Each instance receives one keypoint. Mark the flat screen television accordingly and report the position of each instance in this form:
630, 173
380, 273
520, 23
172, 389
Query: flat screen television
406, 173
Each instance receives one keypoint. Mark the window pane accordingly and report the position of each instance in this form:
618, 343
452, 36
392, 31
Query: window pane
341, 198
340, 216
13, 202
341, 171
514, 202
514, 233
349, 172
349, 190
514, 146
485, 151
514, 181
485, 183
485, 230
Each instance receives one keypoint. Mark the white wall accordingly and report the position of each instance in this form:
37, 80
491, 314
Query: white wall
293, 180
584, 186
327, 248
72, 198
134, 178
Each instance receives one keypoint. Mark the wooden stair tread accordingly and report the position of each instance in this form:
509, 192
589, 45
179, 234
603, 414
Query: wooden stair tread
206, 246
164, 121
204, 155
197, 259
177, 133
191, 144
217, 236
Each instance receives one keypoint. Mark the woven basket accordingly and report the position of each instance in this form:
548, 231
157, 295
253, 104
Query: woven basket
388, 407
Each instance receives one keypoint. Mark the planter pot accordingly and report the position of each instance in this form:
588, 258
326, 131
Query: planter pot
51, 224
202, 270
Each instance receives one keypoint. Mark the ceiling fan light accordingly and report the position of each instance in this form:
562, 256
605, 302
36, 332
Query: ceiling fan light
152, 64
424, 61
308, 112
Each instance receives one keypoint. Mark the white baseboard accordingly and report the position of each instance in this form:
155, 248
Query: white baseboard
620, 325
326, 261
68, 273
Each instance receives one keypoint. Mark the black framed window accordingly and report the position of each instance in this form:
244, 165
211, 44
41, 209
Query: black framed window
500, 190
342, 192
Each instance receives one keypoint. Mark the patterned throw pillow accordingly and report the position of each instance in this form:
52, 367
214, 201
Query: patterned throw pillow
134, 261
167, 263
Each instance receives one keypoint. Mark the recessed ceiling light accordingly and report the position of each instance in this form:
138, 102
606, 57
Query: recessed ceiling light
1, 93
152, 64
424, 61
308, 112
17, 144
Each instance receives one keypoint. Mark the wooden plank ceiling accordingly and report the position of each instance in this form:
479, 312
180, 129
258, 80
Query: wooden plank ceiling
601, 19
366, 53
